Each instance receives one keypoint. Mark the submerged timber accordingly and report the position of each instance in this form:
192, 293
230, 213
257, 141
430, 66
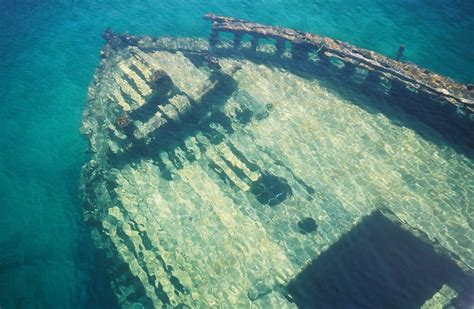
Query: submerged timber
379, 67
233, 175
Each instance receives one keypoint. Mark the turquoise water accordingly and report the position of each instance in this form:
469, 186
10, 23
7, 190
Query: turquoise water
49, 50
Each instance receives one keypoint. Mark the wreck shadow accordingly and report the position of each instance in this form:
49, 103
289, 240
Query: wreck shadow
379, 265
172, 134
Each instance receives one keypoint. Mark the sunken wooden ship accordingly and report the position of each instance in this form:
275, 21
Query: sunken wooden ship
238, 173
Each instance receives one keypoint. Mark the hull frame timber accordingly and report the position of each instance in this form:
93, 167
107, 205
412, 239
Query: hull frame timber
409, 75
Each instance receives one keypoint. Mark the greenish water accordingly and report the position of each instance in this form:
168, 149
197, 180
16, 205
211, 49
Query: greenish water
49, 50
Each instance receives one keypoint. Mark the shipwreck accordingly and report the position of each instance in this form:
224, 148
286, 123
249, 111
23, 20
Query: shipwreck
243, 170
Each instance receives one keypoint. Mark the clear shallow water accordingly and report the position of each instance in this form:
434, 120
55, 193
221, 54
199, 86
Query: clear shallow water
49, 51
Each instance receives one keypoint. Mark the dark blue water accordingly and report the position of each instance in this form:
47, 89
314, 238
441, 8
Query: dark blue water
48, 52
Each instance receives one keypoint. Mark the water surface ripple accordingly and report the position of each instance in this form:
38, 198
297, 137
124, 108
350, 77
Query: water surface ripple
49, 50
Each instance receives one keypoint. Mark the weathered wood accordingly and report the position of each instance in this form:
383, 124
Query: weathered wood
280, 46
254, 42
408, 74
237, 39
214, 37
300, 50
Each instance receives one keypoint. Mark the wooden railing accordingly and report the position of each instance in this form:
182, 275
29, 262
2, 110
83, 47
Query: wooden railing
400, 74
